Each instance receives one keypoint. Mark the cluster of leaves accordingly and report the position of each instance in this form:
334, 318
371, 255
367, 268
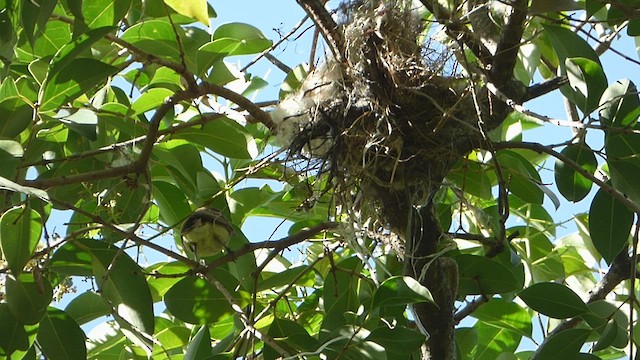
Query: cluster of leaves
116, 108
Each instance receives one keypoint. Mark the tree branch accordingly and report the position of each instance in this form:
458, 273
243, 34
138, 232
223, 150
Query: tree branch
506, 54
328, 27
277, 245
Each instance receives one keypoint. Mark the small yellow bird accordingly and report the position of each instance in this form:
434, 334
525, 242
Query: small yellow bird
206, 232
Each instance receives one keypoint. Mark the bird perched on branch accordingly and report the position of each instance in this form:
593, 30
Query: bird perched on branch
206, 232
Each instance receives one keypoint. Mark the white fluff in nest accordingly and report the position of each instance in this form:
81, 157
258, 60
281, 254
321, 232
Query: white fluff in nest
300, 109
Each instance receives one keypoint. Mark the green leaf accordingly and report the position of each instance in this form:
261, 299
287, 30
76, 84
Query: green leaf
554, 300
300, 275
182, 159
155, 37
122, 283
237, 39
568, 44
150, 100
195, 9
292, 334
15, 338
28, 297
619, 100
588, 81
159, 284
564, 345
520, 177
86, 307
75, 79
200, 346
398, 339
400, 290
77, 46
609, 225
224, 136
60, 337
34, 17
173, 205
482, 276
70, 259
505, 314
473, 178
6, 184
571, 184
194, 300
492, 341
99, 13
20, 231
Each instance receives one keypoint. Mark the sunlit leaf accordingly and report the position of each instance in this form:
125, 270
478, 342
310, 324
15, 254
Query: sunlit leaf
28, 297
554, 300
571, 184
60, 337
609, 225
20, 231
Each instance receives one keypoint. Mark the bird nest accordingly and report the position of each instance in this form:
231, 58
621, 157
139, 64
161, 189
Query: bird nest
390, 119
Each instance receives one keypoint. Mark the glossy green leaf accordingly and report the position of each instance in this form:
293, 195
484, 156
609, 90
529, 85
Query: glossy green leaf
564, 345
568, 44
60, 337
122, 283
520, 177
34, 16
571, 184
126, 201
224, 136
15, 338
28, 297
182, 159
159, 285
196, 9
292, 335
400, 290
619, 100
473, 178
609, 225
70, 259
173, 205
155, 37
398, 339
505, 314
200, 346
588, 81
482, 276
194, 300
237, 39
99, 13
301, 275
554, 300
20, 232
86, 307
150, 100
492, 341
78, 77
6, 184
83, 122
76, 47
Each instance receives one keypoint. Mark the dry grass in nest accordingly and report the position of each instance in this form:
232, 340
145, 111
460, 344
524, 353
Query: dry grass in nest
391, 121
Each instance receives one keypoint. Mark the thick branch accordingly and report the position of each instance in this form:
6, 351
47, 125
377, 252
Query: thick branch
328, 27
506, 54
277, 245
457, 30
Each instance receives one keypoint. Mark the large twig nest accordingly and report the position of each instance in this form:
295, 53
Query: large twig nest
387, 120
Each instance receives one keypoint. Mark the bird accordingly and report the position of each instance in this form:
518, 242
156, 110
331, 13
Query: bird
206, 232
